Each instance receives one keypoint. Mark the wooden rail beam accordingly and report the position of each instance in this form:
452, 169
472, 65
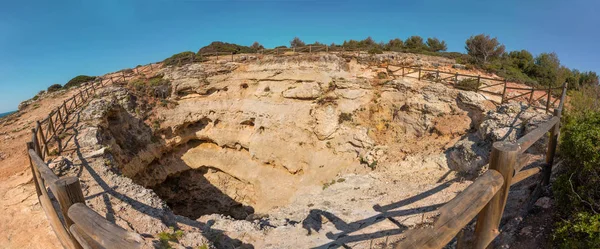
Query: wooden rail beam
525, 174
84, 240
530, 138
455, 214
102, 231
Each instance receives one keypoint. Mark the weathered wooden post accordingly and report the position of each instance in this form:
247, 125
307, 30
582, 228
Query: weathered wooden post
38, 190
41, 131
504, 92
456, 79
502, 159
419, 74
531, 96
36, 143
68, 192
55, 136
548, 99
553, 140
62, 122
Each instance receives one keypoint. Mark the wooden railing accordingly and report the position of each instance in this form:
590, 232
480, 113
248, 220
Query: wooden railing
75, 224
486, 197
453, 78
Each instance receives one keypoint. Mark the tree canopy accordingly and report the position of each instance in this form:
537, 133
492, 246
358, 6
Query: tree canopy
483, 48
296, 42
435, 45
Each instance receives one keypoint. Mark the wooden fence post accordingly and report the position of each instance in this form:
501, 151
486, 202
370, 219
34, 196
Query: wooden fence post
548, 99
456, 79
531, 96
36, 143
62, 122
504, 92
502, 159
41, 131
38, 190
56, 137
68, 192
553, 141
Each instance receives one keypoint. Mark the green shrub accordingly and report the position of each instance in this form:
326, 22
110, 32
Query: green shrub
468, 84
576, 187
218, 46
78, 80
171, 235
582, 231
375, 50
182, 58
54, 88
344, 116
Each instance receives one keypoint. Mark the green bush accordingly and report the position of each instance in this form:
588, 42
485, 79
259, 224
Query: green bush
54, 88
468, 84
182, 58
582, 231
78, 80
576, 188
375, 50
218, 46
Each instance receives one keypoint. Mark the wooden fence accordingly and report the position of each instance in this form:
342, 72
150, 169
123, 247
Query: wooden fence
453, 79
486, 197
75, 224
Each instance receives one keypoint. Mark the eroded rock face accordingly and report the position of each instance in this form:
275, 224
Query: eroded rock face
508, 123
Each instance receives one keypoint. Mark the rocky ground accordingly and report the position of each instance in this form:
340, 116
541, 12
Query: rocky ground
318, 151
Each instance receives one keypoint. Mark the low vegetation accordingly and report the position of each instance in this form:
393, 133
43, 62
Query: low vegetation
182, 58
78, 80
218, 46
166, 237
54, 88
468, 84
576, 187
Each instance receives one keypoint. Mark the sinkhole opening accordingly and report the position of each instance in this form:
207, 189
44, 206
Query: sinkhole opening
206, 190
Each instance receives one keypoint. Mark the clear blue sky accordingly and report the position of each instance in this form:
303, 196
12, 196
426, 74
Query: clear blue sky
46, 42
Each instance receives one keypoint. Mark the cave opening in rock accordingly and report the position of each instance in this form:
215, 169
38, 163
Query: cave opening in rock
203, 191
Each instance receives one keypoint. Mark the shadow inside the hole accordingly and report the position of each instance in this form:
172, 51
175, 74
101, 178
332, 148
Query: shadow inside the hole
191, 194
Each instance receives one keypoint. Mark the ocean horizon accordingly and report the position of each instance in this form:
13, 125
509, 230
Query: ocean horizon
6, 114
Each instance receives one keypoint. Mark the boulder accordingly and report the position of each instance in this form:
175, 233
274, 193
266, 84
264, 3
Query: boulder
326, 121
303, 91
468, 155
